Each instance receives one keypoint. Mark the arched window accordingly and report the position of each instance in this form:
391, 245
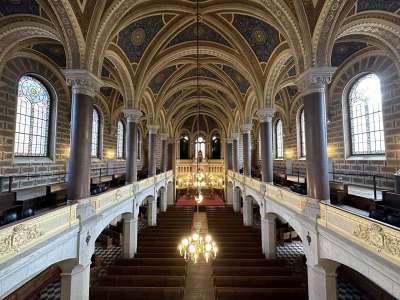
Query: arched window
120, 140
32, 119
95, 133
302, 134
215, 147
184, 147
200, 145
278, 139
366, 123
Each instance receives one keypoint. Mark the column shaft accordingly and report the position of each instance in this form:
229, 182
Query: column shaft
131, 151
236, 200
229, 156
164, 155
247, 153
152, 154
152, 213
266, 151
130, 228
235, 155
80, 150
316, 146
268, 235
164, 204
75, 283
248, 212
321, 284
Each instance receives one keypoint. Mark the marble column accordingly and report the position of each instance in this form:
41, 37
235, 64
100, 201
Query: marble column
152, 212
235, 149
268, 235
163, 200
228, 154
152, 149
170, 192
84, 86
312, 85
236, 200
246, 129
322, 281
75, 281
164, 152
133, 118
265, 116
130, 230
171, 153
248, 211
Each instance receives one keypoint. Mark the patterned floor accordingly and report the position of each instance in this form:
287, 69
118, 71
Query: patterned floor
292, 252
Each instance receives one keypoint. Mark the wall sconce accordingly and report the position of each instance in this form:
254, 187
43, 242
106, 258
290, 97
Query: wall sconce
289, 154
331, 151
67, 151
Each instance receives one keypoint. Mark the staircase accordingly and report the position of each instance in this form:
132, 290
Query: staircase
157, 272
240, 270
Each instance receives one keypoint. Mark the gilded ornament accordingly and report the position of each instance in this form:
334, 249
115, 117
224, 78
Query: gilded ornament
20, 236
138, 36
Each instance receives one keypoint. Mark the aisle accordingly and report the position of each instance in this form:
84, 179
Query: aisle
199, 283
183, 201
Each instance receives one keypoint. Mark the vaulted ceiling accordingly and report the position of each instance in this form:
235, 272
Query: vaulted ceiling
145, 51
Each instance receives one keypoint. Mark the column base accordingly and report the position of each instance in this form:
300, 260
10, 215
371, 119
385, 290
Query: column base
75, 282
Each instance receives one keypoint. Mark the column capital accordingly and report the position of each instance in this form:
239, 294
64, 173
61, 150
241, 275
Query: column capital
153, 129
246, 128
171, 140
266, 114
164, 136
82, 81
235, 136
315, 80
228, 140
132, 115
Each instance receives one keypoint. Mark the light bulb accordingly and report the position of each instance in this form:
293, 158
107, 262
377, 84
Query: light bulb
208, 247
208, 238
192, 248
185, 242
195, 236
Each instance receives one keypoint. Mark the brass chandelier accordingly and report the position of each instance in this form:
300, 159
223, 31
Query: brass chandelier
198, 248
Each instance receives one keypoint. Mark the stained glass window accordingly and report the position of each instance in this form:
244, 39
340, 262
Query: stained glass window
366, 123
120, 140
200, 145
95, 133
32, 119
302, 135
278, 139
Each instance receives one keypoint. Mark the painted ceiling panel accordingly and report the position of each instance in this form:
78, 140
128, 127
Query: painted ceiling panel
53, 51
292, 71
239, 80
292, 90
135, 38
10, 7
170, 100
158, 81
202, 73
206, 33
262, 37
341, 51
387, 5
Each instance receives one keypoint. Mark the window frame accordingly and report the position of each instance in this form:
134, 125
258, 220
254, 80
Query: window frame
99, 129
195, 146
347, 126
119, 143
278, 155
52, 123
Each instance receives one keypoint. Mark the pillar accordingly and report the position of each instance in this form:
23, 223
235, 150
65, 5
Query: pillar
163, 200
133, 119
248, 211
236, 200
152, 212
130, 230
268, 235
229, 193
228, 155
152, 149
84, 86
75, 281
171, 153
265, 116
246, 128
170, 192
322, 281
312, 84
164, 153
235, 149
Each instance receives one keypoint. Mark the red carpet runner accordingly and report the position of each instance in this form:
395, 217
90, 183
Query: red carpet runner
183, 201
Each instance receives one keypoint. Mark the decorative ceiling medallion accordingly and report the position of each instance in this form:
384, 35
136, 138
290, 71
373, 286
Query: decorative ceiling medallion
259, 36
138, 36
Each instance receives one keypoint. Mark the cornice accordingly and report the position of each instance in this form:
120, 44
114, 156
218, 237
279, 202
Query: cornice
315, 80
82, 81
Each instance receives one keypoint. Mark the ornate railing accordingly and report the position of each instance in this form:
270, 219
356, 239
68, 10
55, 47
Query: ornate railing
287, 198
108, 199
22, 236
381, 239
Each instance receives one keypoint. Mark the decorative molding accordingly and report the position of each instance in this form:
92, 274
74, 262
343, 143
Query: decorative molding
153, 129
235, 136
82, 81
20, 236
266, 114
315, 80
133, 115
246, 128
164, 136
375, 236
